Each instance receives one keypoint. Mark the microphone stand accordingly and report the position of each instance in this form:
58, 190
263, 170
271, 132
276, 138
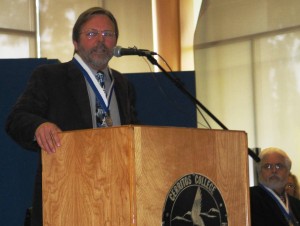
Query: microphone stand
194, 100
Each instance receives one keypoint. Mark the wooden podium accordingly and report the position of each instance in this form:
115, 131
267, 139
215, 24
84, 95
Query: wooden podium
123, 175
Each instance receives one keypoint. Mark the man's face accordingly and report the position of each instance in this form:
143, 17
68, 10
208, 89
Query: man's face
274, 172
96, 42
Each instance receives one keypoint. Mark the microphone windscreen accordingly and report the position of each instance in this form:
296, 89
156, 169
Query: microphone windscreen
117, 51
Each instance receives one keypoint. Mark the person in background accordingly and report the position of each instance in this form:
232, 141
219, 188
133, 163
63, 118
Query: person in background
292, 186
270, 205
80, 94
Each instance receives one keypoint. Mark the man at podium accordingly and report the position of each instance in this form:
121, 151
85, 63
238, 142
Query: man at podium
270, 204
80, 94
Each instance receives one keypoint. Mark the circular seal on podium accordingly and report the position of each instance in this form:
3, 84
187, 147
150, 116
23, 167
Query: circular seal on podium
194, 200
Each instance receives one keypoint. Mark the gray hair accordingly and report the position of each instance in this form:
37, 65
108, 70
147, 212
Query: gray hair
267, 151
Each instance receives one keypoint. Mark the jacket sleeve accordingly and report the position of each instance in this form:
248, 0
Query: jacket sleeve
28, 112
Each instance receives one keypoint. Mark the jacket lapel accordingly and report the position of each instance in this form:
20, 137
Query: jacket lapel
77, 88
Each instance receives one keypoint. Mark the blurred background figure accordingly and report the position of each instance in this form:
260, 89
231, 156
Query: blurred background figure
292, 186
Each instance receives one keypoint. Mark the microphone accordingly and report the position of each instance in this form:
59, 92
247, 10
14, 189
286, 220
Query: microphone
118, 51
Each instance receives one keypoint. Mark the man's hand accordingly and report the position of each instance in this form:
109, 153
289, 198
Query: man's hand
47, 137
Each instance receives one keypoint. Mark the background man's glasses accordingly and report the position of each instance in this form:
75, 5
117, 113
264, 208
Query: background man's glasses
277, 166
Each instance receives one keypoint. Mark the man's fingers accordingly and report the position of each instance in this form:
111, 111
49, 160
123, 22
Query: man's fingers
47, 137
45, 141
55, 138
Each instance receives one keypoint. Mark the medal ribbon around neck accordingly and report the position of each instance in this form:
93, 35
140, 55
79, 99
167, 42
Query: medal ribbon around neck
284, 209
98, 90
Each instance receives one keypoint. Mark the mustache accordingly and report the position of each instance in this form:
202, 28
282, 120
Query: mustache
274, 176
100, 48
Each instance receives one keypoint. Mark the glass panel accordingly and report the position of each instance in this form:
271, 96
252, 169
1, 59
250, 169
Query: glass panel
57, 19
224, 85
277, 83
19, 13
16, 46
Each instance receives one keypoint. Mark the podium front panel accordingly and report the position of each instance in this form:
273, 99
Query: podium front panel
87, 181
164, 155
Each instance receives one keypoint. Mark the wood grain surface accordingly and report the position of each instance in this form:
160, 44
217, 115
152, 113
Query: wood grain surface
122, 175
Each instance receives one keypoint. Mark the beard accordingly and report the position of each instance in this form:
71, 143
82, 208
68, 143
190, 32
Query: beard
274, 182
96, 57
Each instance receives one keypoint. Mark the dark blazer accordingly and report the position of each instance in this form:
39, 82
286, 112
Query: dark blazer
265, 211
58, 93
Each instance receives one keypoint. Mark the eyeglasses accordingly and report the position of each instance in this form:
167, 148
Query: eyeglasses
277, 166
93, 33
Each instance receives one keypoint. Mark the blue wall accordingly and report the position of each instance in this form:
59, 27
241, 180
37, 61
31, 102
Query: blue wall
159, 102
17, 167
